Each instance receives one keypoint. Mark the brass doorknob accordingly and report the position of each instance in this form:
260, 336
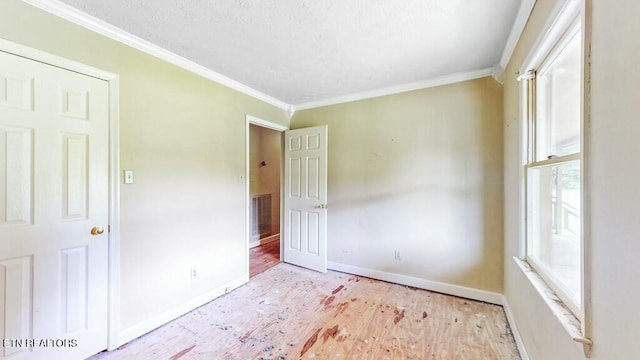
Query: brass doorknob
97, 230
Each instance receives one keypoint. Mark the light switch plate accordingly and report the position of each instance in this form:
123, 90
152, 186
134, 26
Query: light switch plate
128, 176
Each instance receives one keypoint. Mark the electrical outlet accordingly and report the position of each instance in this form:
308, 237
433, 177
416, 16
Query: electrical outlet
194, 273
397, 255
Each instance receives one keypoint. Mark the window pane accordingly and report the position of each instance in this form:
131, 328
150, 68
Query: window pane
558, 102
555, 225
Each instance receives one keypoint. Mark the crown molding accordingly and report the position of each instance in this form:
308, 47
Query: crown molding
437, 81
497, 72
524, 11
92, 23
87, 21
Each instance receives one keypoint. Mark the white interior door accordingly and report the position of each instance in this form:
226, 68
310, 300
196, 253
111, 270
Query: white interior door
53, 191
305, 210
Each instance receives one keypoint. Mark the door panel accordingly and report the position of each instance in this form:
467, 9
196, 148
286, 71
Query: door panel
15, 282
295, 231
313, 233
16, 91
306, 197
53, 190
75, 159
15, 175
74, 290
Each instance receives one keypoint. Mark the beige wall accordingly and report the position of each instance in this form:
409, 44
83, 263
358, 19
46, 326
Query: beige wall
418, 172
614, 196
266, 145
184, 136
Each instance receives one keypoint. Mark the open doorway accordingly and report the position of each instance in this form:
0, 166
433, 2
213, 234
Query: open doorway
265, 169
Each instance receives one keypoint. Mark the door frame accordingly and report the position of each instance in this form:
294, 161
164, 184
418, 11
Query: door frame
113, 238
252, 120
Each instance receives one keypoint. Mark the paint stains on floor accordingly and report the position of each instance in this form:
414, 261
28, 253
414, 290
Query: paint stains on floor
246, 336
293, 313
310, 342
329, 300
329, 333
399, 315
181, 353
340, 309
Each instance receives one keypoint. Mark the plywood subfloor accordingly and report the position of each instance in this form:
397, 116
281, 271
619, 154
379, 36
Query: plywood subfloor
288, 312
264, 257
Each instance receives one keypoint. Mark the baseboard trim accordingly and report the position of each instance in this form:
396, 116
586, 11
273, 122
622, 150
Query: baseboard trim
264, 241
449, 289
514, 329
148, 325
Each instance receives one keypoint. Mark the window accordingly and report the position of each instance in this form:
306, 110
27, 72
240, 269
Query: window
552, 103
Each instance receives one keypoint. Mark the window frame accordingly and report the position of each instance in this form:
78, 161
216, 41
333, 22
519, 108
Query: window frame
575, 28
563, 16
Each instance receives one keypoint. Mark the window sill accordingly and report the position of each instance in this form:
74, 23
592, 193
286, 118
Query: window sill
569, 321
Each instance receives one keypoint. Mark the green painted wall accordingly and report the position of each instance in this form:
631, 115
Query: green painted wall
184, 136
418, 172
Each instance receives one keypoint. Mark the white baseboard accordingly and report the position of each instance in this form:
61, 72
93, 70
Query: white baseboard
148, 325
514, 329
449, 289
264, 241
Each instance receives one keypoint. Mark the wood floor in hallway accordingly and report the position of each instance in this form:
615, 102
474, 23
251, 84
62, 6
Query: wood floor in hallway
264, 257
288, 312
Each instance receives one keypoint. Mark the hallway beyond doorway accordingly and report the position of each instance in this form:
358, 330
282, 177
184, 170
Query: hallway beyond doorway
264, 257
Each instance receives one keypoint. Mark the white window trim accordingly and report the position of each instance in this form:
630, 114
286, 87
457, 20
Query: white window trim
556, 30
555, 48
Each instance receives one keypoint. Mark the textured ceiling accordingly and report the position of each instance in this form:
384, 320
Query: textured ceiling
301, 51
